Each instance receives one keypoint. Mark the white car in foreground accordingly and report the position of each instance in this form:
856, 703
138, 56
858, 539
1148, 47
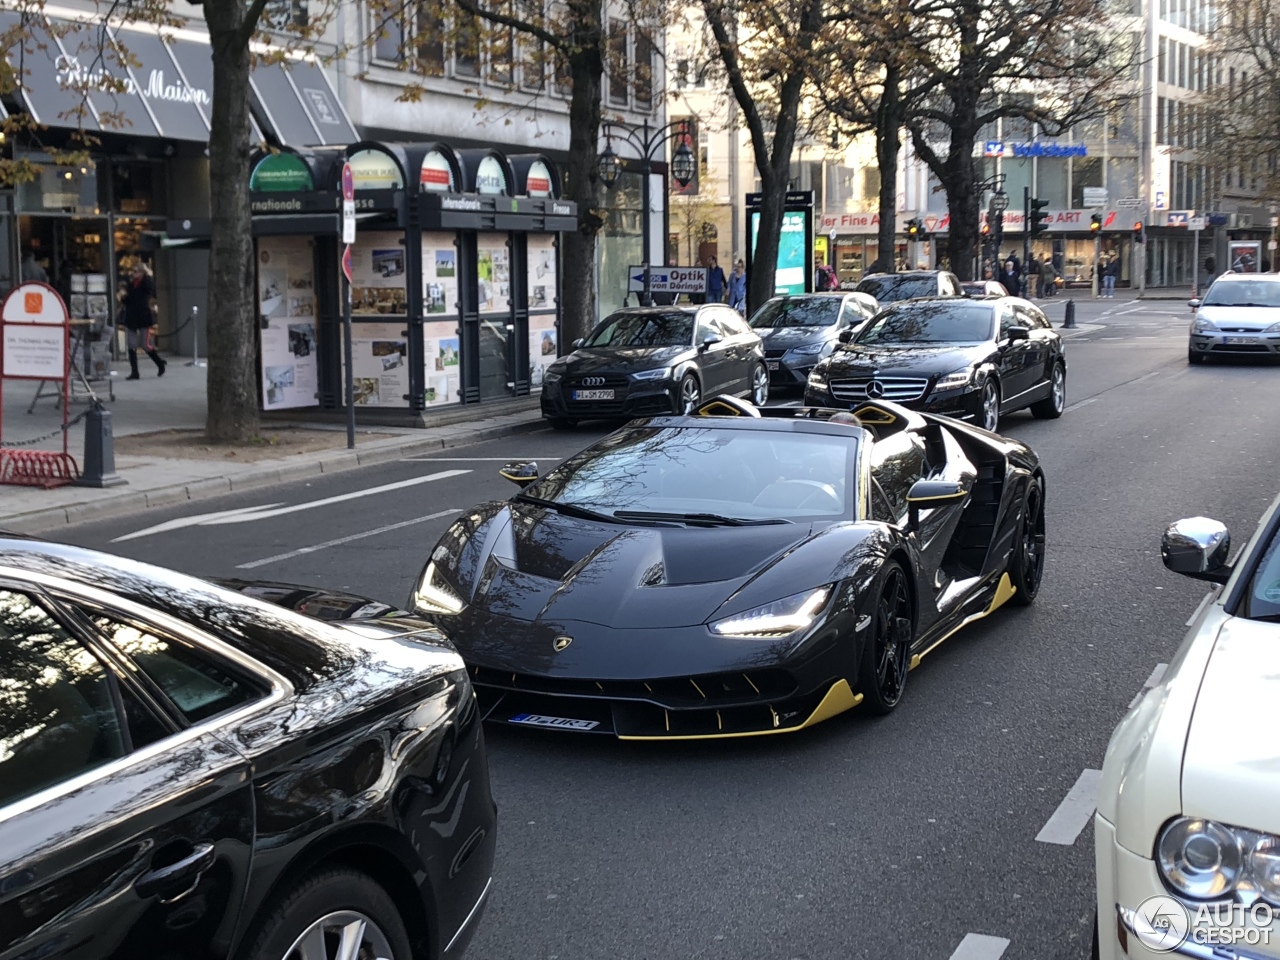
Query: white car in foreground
1188, 823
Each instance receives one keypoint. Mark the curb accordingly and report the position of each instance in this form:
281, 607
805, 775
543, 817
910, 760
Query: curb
135, 501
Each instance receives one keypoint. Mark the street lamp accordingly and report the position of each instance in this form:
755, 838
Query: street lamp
647, 142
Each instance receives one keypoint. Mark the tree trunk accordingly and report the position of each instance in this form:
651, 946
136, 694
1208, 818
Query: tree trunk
888, 130
962, 203
231, 331
580, 302
762, 282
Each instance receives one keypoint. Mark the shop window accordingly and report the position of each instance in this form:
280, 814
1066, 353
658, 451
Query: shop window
646, 54
619, 64
466, 46
137, 187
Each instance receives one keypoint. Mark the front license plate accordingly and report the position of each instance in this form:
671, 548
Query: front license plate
593, 394
1239, 339
772, 364
564, 723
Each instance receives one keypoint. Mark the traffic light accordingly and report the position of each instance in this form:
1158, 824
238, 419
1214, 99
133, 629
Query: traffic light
1137, 233
997, 227
985, 230
913, 229
1037, 217
1095, 223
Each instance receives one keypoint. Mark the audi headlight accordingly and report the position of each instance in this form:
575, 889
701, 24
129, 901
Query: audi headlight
434, 595
808, 349
662, 373
960, 378
552, 376
776, 620
1201, 325
1199, 858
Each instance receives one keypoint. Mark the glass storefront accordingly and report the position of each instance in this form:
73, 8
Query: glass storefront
620, 244
855, 255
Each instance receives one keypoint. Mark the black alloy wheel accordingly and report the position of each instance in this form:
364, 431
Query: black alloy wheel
1026, 567
760, 385
886, 655
989, 412
1051, 407
690, 393
1193, 356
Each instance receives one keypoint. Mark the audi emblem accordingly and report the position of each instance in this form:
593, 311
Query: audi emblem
593, 381
875, 389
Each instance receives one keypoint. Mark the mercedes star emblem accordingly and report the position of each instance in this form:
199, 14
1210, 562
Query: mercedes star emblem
875, 389
561, 643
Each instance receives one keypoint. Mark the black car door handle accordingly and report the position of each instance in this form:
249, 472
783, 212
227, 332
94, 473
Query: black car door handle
177, 879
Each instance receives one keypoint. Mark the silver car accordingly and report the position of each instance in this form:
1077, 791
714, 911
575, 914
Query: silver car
1240, 315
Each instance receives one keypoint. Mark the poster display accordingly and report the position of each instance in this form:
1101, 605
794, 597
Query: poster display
1245, 256
494, 269
439, 274
790, 275
543, 293
380, 364
542, 347
287, 322
440, 346
378, 274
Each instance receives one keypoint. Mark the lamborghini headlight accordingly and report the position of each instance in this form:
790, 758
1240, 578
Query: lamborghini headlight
772, 621
434, 595
951, 381
1201, 325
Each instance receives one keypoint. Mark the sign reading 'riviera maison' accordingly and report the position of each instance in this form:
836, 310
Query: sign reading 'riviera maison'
71, 74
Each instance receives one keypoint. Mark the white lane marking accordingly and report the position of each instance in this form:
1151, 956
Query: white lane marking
1074, 812
1156, 676
1117, 312
980, 946
1204, 602
245, 514
465, 459
1111, 338
1145, 376
303, 551
1081, 403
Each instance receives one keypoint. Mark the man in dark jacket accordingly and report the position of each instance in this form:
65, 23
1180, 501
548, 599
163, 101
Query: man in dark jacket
138, 315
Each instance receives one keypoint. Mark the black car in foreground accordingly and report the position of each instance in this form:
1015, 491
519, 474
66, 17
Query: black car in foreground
970, 359
737, 573
798, 331
652, 360
188, 770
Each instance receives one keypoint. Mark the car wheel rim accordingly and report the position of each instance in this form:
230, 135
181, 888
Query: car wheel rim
761, 393
343, 935
1033, 543
893, 638
689, 395
990, 407
1059, 388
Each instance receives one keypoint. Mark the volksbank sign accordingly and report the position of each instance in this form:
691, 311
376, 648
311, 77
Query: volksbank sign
1033, 148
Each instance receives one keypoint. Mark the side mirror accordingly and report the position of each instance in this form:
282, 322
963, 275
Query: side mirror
1197, 547
709, 341
577, 343
1194, 303
520, 472
1017, 333
925, 494
845, 336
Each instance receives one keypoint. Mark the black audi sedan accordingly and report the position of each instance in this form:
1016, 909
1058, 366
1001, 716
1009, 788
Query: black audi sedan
970, 359
195, 770
654, 360
799, 331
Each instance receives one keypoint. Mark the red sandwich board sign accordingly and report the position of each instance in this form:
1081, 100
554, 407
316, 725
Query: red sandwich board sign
35, 344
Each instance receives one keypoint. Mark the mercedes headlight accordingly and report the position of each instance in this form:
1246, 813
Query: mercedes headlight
808, 349
776, 620
552, 376
960, 378
1199, 858
662, 373
1201, 325
818, 375
434, 595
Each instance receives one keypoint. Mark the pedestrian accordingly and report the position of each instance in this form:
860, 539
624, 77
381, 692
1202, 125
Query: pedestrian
738, 287
138, 317
715, 281
1110, 271
1032, 276
1048, 278
1009, 277
700, 297
31, 269
825, 278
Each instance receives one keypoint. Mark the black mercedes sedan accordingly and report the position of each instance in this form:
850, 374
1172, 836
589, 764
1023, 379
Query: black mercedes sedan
971, 359
192, 770
892, 287
799, 331
653, 360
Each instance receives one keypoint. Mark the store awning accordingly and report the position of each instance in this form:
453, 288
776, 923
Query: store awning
143, 84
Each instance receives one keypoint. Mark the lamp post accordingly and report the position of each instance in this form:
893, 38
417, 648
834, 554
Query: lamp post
647, 142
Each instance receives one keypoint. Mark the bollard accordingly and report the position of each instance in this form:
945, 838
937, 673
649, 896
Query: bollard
1070, 322
99, 450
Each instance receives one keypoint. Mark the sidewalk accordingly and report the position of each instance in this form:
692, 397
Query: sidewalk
177, 402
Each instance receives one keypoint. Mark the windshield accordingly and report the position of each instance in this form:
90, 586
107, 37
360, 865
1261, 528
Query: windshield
1262, 601
746, 474
901, 287
798, 312
674, 329
1245, 293
935, 321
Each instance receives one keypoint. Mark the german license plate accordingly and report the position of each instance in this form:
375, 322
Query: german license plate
772, 364
564, 723
593, 394
1239, 339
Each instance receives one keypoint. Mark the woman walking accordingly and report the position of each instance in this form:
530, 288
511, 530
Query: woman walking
138, 298
738, 287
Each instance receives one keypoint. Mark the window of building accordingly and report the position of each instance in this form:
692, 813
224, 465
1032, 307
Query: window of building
619, 63
501, 55
1162, 60
388, 37
562, 77
283, 14
466, 46
646, 55
533, 72
412, 35
1085, 172
431, 28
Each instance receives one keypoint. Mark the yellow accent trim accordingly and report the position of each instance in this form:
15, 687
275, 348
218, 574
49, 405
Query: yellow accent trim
649, 688
837, 700
719, 722
600, 686
959, 494
718, 408
1004, 591
875, 415
666, 718
752, 685
698, 688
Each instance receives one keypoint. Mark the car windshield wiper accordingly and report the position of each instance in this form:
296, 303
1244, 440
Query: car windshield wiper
568, 509
697, 519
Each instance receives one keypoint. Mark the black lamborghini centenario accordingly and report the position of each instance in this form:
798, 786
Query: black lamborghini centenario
737, 572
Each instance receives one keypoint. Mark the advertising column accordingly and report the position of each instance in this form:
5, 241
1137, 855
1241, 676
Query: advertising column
287, 328
793, 272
